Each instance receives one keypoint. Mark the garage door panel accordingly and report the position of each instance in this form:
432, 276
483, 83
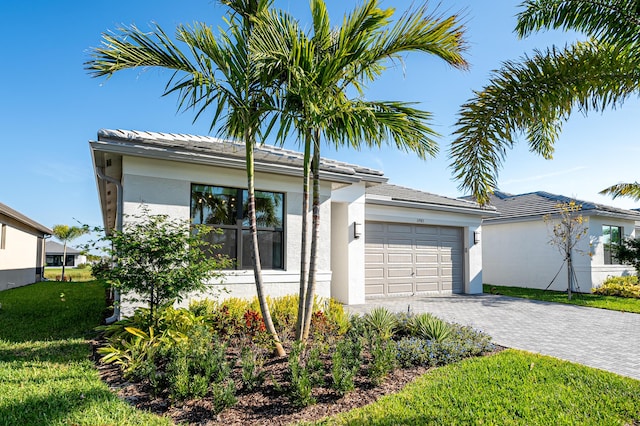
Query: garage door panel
374, 258
395, 258
395, 272
374, 273
406, 258
399, 287
399, 229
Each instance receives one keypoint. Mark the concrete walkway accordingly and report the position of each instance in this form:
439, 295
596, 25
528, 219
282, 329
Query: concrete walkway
599, 338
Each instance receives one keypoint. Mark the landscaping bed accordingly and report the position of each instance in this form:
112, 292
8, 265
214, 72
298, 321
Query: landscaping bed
306, 386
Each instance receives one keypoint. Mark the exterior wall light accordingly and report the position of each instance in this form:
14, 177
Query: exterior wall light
357, 230
476, 237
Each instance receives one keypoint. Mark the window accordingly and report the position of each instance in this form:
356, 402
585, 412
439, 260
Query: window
3, 236
611, 237
227, 209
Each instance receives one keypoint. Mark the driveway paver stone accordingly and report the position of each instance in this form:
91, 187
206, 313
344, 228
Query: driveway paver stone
608, 340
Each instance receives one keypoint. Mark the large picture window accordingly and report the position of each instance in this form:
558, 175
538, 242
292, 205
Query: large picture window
227, 209
611, 238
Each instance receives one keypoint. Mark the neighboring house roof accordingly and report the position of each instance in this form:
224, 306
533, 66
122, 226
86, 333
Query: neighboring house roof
207, 149
534, 205
398, 195
19, 217
55, 248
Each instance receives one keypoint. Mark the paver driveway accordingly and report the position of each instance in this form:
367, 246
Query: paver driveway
599, 338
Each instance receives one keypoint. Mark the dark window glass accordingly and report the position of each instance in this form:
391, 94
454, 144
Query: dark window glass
228, 210
611, 237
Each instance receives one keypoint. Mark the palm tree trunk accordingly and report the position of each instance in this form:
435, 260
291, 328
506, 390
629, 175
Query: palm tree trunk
315, 236
300, 321
255, 251
64, 258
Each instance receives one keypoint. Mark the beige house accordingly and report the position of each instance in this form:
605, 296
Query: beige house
376, 239
22, 249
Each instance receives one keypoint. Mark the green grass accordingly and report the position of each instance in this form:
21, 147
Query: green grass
76, 274
510, 388
46, 376
613, 303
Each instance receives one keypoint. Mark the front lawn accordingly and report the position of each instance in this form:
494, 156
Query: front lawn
613, 303
46, 375
76, 274
510, 388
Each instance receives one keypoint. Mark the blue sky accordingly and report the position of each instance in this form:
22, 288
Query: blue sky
50, 108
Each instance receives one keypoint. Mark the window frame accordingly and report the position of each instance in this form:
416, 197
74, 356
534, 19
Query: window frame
3, 236
609, 258
240, 227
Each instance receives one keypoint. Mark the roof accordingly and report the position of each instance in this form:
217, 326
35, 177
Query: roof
399, 194
540, 203
203, 148
53, 247
15, 215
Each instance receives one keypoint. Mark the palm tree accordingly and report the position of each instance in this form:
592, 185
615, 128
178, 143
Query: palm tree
66, 233
535, 95
317, 71
216, 73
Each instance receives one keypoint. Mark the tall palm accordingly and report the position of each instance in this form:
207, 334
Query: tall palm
216, 73
317, 71
66, 233
535, 95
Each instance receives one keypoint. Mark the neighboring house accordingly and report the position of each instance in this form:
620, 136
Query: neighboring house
376, 239
516, 249
21, 249
55, 252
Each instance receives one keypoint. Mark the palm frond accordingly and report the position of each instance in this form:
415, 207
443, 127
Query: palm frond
611, 21
534, 96
631, 190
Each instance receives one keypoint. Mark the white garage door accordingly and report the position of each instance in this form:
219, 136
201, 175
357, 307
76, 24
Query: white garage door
403, 259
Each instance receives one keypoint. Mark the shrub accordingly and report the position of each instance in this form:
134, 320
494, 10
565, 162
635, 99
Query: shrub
429, 327
382, 322
284, 311
252, 373
301, 385
463, 342
383, 359
620, 286
224, 396
347, 360
337, 316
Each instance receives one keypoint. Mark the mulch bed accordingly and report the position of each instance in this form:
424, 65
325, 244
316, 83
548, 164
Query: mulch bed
266, 406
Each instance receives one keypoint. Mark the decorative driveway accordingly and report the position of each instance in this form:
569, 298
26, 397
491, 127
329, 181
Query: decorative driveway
599, 338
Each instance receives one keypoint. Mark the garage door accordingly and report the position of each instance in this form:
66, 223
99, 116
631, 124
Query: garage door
403, 259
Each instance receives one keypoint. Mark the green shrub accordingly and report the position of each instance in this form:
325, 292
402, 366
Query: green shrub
252, 372
383, 359
337, 316
301, 385
620, 286
347, 361
381, 322
463, 342
315, 366
429, 327
224, 395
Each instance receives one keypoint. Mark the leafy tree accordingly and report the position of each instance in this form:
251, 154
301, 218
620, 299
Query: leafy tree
66, 233
319, 69
628, 251
216, 73
157, 260
535, 95
566, 234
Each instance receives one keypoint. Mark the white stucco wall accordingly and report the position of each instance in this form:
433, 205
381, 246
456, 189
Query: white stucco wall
18, 259
347, 251
519, 254
473, 274
164, 187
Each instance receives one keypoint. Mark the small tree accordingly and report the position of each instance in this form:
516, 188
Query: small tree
159, 260
566, 233
628, 251
66, 233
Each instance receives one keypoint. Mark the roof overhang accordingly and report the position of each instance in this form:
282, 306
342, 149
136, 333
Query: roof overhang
385, 201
